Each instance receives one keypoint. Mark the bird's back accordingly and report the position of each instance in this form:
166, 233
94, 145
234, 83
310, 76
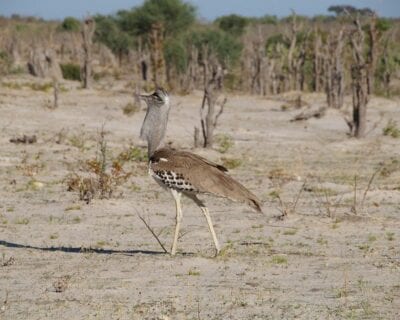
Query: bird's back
188, 172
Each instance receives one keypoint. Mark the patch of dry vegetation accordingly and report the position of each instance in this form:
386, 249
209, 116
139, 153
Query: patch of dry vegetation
98, 178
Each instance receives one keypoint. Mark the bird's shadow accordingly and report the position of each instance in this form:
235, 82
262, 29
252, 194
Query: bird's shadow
80, 249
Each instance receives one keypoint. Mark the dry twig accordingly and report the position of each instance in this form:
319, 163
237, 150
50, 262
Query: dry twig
152, 232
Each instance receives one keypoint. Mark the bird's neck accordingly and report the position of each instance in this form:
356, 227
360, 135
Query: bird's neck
154, 128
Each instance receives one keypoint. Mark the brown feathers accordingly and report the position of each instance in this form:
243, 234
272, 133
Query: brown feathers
205, 176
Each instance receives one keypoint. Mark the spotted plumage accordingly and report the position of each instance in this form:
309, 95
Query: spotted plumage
172, 180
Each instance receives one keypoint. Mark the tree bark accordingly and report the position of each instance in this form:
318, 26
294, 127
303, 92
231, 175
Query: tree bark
157, 54
87, 32
360, 81
334, 73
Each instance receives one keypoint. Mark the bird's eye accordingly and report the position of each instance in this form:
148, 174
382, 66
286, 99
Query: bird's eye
157, 97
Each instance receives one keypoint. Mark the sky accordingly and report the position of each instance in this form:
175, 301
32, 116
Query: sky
207, 9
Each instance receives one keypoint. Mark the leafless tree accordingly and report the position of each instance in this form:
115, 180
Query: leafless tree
213, 81
372, 56
87, 32
334, 71
318, 63
360, 79
157, 54
56, 91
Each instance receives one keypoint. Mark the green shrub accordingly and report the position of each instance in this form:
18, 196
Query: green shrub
226, 47
391, 129
225, 142
70, 24
133, 154
71, 71
130, 108
5, 62
231, 163
232, 24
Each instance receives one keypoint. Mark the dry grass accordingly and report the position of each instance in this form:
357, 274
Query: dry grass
96, 179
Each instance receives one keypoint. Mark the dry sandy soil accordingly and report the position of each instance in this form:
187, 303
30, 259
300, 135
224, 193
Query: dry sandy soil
335, 255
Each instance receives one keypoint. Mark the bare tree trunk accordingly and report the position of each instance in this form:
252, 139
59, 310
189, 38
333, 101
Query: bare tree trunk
213, 80
290, 57
372, 53
299, 69
386, 76
157, 54
318, 64
360, 76
87, 32
56, 90
334, 72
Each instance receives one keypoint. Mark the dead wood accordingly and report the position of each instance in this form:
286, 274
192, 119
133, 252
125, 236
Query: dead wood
305, 115
24, 139
87, 32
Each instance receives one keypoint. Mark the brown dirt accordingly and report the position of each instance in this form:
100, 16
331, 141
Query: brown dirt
61, 258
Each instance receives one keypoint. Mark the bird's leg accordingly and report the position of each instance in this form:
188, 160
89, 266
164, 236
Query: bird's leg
177, 197
204, 209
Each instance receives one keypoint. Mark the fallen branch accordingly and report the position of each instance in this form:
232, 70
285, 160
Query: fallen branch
152, 232
24, 139
319, 113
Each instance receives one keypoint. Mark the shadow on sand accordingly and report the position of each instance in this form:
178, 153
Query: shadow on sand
80, 249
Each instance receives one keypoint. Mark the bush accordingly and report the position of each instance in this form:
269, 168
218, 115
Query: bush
5, 62
71, 71
175, 15
70, 24
109, 33
391, 129
224, 46
130, 108
233, 24
175, 55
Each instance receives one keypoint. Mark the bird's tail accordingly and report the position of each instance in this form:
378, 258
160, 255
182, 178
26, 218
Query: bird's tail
231, 189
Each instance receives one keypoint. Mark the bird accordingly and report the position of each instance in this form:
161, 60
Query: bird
183, 172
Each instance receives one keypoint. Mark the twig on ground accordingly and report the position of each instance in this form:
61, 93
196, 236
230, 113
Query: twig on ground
152, 232
298, 196
369, 186
354, 207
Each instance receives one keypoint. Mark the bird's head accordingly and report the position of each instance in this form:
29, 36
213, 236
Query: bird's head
158, 98
155, 122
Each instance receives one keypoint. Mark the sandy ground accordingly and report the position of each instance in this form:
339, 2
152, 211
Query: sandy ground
336, 255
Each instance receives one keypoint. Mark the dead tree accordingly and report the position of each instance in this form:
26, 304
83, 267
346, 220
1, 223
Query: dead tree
318, 64
386, 70
192, 74
372, 56
213, 81
294, 29
299, 66
56, 91
255, 61
360, 80
157, 54
87, 32
334, 72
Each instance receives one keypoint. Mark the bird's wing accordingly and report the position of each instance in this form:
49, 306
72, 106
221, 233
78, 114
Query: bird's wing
204, 175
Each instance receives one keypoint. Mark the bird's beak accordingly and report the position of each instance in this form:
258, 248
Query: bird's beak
144, 97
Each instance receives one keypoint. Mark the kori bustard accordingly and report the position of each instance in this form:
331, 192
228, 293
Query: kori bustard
185, 173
